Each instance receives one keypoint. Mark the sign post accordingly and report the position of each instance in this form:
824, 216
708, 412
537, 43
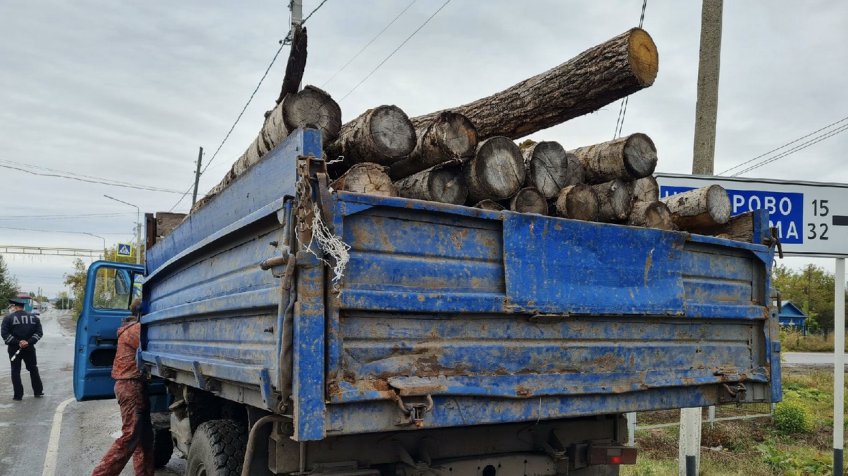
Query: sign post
811, 219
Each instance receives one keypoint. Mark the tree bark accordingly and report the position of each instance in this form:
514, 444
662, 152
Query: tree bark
699, 208
529, 200
496, 171
490, 205
739, 228
296, 63
626, 158
650, 215
449, 136
615, 199
310, 107
442, 183
382, 135
549, 168
646, 189
366, 178
579, 202
596, 77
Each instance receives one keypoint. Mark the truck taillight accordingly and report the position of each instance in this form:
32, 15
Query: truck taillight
612, 455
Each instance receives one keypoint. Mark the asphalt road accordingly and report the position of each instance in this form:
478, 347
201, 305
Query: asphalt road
87, 429
809, 359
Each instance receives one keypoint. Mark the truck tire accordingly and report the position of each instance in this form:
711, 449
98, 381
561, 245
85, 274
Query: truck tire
217, 449
163, 447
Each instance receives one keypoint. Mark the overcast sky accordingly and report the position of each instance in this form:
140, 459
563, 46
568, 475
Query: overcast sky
129, 90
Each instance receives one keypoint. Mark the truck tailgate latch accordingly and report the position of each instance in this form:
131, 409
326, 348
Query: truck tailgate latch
414, 412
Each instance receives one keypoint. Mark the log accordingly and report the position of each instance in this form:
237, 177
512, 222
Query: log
496, 171
310, 107
615, 199
739, 228
596, 77
382, 135
646, 189
699, 208
366, 178
549, 168
490, 205
529, 200
626, 158
650, 215
579, 202
442, 183
296, 63
449, 136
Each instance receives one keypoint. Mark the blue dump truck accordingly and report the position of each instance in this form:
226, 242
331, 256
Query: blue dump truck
300, 330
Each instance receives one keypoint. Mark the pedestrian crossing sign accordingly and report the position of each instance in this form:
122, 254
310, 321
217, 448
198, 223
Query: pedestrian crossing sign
124, 249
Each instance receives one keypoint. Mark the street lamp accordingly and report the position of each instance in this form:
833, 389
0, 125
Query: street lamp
98, 236
137, 227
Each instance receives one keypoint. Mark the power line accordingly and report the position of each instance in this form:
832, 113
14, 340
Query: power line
622, 110
313, 12
62, 217
395, 50
797, 148
362, 50
785, 145
87, 180
62, 231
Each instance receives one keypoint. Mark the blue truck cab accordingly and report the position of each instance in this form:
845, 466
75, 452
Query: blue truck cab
300, 330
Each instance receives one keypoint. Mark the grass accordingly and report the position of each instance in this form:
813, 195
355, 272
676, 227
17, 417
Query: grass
750, 447
794, 341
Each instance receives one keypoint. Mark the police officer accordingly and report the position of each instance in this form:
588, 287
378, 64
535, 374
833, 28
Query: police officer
20, 331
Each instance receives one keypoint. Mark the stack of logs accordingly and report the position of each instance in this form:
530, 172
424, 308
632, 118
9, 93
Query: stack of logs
467, 155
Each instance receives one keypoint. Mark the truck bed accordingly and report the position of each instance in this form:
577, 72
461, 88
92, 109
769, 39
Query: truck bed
495, 317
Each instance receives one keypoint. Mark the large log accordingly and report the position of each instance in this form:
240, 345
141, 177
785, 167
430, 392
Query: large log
382, 135
549, 168
646, 189
596, 77
579, 202
615, 199
496, 171
366, 178
739, 228
449, 136
699, 208
627, 158
529, 200
650, 215
310, 107
442, 183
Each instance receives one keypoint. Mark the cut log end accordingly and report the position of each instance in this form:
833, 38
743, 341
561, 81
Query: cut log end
448, 185
615, 199
640, 155
579, 202
718, 204
391, 132
366, 178
646, 189
700, 208
651, 215
529, 200
456, 134
496, 171
550, 168
644, 59
313, 107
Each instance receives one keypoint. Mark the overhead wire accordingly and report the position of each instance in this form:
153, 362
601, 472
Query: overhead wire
283, 43
370, 42
785, 145
62, 217
802, 146
622, 110
60, 231
86, 179
381, 63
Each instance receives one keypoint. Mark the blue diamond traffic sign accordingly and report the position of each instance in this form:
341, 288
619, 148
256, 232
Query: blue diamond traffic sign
124, 249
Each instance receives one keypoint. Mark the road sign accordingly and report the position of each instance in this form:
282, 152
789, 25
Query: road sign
124, 249
811, 218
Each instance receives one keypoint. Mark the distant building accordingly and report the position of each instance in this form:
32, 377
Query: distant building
792, 317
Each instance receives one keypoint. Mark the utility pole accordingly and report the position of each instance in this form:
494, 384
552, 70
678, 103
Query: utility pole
706, 108
703, 159
296, 7
196, 177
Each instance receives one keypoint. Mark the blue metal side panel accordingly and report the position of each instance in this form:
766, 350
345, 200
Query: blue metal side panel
268, 181
308, 341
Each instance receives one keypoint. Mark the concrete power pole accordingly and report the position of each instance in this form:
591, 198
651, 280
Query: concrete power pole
706, 112
706, 109
197, 177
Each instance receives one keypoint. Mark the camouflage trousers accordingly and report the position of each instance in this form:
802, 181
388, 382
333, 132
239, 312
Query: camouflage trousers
136, 438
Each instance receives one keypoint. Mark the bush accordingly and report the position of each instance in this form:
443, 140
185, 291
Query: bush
791, 418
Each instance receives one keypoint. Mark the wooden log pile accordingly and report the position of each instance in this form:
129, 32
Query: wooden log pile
467, 155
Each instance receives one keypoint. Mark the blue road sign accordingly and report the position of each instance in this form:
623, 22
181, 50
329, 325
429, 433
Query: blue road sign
124, 249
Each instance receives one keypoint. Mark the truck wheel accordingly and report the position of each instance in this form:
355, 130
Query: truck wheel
163, 447
217, 449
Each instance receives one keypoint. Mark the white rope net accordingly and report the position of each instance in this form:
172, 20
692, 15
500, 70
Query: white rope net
330, 244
